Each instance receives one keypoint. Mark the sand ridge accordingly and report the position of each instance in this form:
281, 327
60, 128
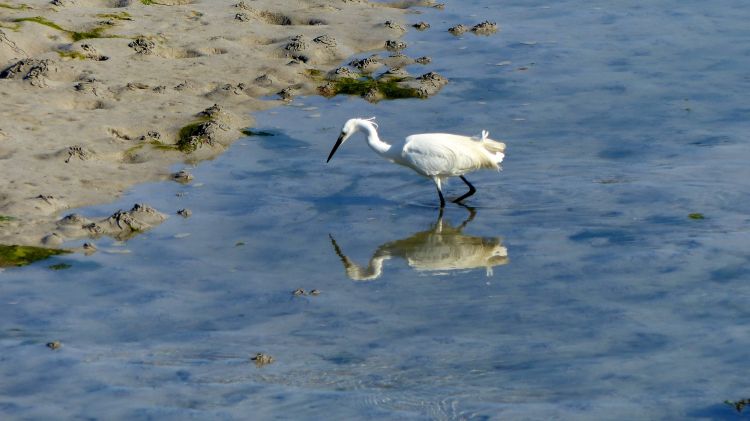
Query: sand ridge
95, 92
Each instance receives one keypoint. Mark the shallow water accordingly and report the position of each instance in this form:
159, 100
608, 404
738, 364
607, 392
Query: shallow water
620, 121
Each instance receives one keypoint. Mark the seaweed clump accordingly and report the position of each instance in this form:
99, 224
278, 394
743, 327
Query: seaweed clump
75, 35
739, 405
249, 132
24, 255
193, 135
206, 130
369, 88
14, 7
117, 16
72, 55
390, 85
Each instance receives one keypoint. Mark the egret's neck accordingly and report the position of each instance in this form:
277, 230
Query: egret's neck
373, 270
377, 145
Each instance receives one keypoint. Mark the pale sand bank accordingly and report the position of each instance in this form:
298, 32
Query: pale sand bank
82, 121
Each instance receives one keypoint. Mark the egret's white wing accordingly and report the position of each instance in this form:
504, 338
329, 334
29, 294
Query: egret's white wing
443, 154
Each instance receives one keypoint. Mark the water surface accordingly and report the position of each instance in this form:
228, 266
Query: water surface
620, 120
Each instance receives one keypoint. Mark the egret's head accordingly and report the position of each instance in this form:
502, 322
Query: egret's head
350, 127
498, 256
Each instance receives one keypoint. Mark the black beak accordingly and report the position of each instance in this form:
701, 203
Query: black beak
339, 141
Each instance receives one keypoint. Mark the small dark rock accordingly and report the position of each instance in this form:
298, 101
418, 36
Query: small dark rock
393, 25
367, 63
458, 29
343, 71
263, 80
421, 26
297, 43
72, 219
183, 85
326, 40
182, 176
35, 71
94, 229
328, 90
485, 28
136, 85
89, 248
394, 45
141, 45
316, 22
262, 359
213, 111
286, 94
53, 239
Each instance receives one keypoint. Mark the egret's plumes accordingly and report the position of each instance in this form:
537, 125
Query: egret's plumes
437, 156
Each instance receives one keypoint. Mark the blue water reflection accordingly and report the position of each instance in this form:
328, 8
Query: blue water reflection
621, 120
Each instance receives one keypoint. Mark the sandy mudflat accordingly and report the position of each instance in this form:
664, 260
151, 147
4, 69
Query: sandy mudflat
84, 118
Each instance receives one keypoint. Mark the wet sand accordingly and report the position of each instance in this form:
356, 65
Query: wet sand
97, 93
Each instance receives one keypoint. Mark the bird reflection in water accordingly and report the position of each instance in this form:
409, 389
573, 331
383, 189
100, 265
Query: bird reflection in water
440, 248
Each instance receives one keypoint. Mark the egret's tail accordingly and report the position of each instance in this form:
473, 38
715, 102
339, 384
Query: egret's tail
494, 148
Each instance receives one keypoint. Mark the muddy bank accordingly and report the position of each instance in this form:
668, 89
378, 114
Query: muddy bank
104, 94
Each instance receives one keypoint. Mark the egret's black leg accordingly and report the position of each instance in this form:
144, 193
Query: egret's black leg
471, 191
472, 214
442, 199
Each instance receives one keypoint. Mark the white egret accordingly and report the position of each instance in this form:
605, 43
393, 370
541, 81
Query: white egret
437, 156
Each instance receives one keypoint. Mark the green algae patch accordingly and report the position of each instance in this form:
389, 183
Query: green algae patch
392, 90
14, 6
4, 219
315, 73
13, 28
42, 21
388, 88
116, 16
162, 146
129, 153
187, 135
195, 134
248, 132
739, 405
23, 255
72, 55
60, 266
75, 35
93, 33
